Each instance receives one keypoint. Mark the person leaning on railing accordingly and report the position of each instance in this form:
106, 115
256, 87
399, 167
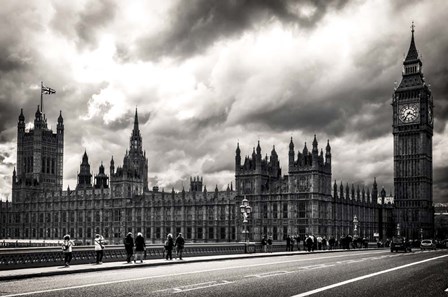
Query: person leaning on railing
67, 250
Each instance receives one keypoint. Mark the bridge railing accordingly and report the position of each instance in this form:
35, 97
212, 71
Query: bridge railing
13, 258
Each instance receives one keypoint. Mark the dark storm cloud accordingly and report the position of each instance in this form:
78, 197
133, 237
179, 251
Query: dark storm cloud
307, 117
10, 60
432, 46
85, 24
209, 121
338, 115
441, 184
196, 26
96, 15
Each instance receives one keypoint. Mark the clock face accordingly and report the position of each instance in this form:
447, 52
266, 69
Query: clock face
408, 113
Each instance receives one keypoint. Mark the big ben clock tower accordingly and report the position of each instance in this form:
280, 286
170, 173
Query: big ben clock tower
413, 129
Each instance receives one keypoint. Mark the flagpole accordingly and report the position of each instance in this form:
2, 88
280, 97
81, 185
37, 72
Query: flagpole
41, 97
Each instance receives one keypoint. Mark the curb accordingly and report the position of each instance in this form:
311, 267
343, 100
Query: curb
65, 271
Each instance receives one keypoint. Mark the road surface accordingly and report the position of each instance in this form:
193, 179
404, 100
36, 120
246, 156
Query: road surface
354, 273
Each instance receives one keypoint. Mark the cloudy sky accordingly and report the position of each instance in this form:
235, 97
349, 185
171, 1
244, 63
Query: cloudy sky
207, 74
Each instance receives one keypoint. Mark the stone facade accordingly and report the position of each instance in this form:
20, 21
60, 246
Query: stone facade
300, 203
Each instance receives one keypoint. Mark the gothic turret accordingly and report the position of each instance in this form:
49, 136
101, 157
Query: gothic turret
112, 166
84, 176
374, 190
38, 119
383, 195
291, 155
258, 151
21, 116
237, 158
305, 150
315, 149
335, 190
195, 184
328, 153
60, 118
14, 177
101, 179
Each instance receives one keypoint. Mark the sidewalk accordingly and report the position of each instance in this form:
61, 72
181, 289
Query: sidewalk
60, 270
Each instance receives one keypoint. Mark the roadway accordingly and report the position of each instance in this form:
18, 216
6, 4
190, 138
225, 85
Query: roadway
354, 273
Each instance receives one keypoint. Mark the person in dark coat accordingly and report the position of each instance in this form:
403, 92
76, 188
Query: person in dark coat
140, 247
331, 242
264, 243
169, 244
309, 243
297, 239
269, 241
180, 243
288, 243
129, 246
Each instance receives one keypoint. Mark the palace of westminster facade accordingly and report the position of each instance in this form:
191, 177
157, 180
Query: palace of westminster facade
302, 202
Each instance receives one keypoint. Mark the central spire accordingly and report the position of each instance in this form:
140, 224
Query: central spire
412, 53
135, 123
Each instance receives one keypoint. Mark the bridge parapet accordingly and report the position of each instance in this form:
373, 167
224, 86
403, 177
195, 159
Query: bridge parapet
13, 258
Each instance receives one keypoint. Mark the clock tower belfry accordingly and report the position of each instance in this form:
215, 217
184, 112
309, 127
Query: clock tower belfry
412, 104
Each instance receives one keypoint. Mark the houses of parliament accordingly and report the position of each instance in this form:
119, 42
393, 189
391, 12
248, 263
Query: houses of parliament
304, 201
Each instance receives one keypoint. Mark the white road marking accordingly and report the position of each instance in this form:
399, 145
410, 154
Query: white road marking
193, 287
318, 266
446, 290
365, 276
268, 274
179, 274
205, 285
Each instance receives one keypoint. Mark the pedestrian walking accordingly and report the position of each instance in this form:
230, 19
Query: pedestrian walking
180, 243
288, 243
67, 250
169, 244
129, 246
324, 243
297, 239
99, 248
331, 242
264, 243
140, 247
269, 241
319, 243
309, 243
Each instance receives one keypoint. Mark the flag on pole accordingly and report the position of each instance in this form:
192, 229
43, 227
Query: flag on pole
44, 90
47, 90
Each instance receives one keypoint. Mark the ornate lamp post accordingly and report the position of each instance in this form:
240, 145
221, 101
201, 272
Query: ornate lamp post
355, 229
245, 211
